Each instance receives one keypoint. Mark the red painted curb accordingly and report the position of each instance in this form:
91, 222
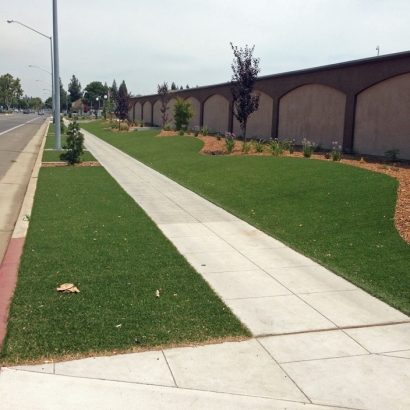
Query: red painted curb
8, 279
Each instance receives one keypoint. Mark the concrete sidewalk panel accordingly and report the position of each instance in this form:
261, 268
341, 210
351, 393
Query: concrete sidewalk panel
177, 230
146, 367
237, 227
253, 240
311, 346
371, 382
228, 261
170, 217
37, 368
405, 354
381, 339
34, 391
241, 368
353, 308
235, 285
191, 244
310, 279
278, 315
277, 258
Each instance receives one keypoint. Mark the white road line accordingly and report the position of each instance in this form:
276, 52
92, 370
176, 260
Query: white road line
11, 129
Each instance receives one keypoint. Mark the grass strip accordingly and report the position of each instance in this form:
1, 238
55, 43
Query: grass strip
84, 229
338, 215
54, 156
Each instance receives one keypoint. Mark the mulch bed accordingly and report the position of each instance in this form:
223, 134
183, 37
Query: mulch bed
64, 164
399, 170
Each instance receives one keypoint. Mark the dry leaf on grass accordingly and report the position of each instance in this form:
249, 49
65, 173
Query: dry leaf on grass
68, 288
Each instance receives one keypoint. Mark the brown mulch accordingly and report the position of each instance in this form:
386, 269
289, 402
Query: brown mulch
64, 164
399, 170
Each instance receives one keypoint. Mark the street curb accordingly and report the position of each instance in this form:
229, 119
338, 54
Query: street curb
11, 261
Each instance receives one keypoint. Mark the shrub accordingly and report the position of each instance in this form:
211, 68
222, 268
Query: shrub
196, 130
277, 147
74, 145
246, 147
182, 113
258, 145
181, 132
392, 154
336, 153
167, 127
218, 136
308, 148
289, 145
204, 130
229, 142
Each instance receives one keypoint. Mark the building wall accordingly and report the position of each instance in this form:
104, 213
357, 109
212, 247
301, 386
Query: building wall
170, 112
216, 114
383, 117
137, 111
196, 107
360, 104
156, 113
259, 124
146, 112
313, 111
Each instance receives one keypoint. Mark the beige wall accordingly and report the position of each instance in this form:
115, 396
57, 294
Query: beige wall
147, 112
170, 111
157, 113
196, 107
137, 111
260, 122
313, 111
383, 118
216, 114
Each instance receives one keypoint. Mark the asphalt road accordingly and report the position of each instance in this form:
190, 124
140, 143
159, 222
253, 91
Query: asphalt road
16, 130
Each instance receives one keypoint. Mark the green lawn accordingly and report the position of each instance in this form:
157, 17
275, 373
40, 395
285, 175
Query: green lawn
338, 215
84, 229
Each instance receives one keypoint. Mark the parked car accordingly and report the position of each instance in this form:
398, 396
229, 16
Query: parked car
40, 112
26, 112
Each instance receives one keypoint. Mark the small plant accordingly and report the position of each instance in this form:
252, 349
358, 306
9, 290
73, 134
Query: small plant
289, 145
229, 141
392, 154
74, 145
308, 148
276, 147
124, 127
258, 145
181, 132
246, 147
196, 130
218, 136
167, 127
336, 153
204, 130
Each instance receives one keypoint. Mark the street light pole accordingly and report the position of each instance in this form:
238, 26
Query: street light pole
52, 60
57, 125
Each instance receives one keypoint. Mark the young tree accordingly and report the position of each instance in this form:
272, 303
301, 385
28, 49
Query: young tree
74, 88
10, 88
114, 90
245, 70
165, 96
122, 104
74, 145
182, 113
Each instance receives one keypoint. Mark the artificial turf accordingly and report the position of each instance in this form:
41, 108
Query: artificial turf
338, 215
84, 229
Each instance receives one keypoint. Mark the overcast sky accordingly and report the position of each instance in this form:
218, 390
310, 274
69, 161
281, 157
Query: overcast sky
186, 41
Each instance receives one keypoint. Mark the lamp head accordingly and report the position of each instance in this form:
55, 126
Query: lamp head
10, 21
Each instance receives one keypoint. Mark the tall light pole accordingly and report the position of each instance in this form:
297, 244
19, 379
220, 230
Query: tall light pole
57, 125
98, 99
52, 60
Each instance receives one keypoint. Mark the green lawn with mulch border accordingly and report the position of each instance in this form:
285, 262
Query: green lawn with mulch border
338, 215
84, 229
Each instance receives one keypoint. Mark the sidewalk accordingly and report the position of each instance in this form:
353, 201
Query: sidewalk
319, 340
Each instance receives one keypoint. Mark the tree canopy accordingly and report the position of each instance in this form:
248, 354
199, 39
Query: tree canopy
10, 88
92, 91
74, 88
